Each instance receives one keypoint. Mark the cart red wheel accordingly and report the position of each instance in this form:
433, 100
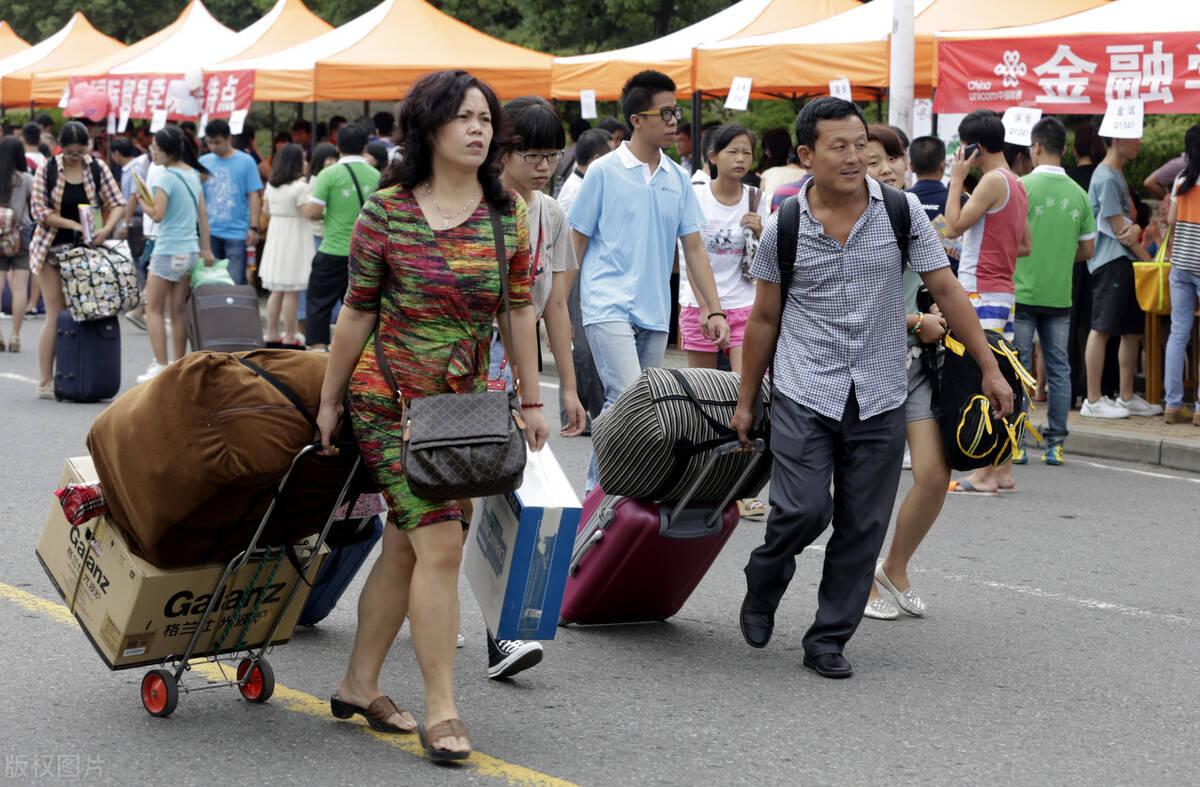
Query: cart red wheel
260, 684
160, 692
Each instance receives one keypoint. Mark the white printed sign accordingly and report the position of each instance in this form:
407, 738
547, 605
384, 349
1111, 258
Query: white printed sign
66, 98
123, 120
739, 94
840, 88
1019, 123
587, 104
111, 126
158, 120
922, 117
1123, 119
237, 121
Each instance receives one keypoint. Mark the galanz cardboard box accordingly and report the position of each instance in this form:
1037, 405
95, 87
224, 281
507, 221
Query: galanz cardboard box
137, 614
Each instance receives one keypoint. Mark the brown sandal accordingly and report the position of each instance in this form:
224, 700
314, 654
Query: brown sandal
450, 728
377, 713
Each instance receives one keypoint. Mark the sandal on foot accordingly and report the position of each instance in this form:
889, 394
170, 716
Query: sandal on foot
450, 728
966, 488
14, 344
376, 714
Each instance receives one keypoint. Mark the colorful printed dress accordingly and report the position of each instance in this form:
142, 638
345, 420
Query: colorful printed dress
436, 293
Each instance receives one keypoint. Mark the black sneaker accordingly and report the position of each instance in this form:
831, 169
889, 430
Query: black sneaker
507, 657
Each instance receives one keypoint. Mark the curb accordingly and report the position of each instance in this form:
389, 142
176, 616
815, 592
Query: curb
1163, 452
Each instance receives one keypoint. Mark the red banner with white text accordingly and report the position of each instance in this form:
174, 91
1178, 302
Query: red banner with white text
1071, 75
141, 95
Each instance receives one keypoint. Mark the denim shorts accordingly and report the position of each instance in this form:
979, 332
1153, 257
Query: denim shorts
172, 267
919, 405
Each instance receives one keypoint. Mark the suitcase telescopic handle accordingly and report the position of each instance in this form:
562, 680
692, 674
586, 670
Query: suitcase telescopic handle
679, 521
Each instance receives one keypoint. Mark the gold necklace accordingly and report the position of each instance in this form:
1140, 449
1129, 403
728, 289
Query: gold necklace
448, 217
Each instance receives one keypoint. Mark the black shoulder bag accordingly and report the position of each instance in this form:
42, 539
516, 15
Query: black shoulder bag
462, 445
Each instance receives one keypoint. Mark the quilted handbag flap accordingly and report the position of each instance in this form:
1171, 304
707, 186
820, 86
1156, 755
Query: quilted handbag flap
443, 420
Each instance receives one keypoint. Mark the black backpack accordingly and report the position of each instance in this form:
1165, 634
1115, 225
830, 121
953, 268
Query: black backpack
970, 437
788, 227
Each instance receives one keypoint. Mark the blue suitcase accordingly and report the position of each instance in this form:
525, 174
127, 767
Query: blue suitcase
347, 552
88, 364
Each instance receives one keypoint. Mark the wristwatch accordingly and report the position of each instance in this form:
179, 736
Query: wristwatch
256, 229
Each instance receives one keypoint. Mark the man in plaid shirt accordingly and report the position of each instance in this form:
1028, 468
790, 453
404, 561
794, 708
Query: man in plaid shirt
840, 379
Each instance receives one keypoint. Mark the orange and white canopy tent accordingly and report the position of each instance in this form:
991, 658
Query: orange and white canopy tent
193, 39
77, 43
607, 72
10, 42
288, 24
857, 45
376, 56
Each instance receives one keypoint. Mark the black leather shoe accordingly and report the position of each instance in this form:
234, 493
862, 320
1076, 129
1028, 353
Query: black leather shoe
829, 665
757, 622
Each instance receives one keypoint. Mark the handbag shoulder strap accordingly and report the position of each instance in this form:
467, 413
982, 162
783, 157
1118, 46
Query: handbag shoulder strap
183, 180
357, 188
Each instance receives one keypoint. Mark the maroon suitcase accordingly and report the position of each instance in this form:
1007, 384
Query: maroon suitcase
637, 561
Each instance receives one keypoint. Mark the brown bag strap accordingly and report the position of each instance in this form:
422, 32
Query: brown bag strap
501, 259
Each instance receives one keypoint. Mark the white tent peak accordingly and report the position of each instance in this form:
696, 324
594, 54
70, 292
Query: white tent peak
27, 57
869, 22
679, 44
305, 56
198, 39
1119, 16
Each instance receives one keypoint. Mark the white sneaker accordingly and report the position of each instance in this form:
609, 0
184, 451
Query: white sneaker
1103, 408
151, 372
907, 464
1139, 406
461, 641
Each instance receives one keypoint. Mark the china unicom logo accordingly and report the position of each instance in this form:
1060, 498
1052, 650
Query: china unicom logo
1011, 69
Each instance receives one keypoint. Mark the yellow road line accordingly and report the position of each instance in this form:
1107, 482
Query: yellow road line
313, 706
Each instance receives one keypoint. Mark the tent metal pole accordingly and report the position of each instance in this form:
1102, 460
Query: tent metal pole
366, 109
933, 115
697, 103
313, 136
272, 121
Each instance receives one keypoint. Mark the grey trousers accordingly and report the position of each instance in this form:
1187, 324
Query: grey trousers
587, 380
863, 460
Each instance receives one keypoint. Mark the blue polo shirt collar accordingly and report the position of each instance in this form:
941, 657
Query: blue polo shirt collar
631, 161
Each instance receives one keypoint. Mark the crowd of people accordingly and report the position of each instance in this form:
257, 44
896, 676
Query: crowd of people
612, 244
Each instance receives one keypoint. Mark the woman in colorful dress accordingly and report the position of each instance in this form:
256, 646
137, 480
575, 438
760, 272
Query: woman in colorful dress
423, 272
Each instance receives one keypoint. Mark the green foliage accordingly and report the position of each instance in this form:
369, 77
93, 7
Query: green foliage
1162, 140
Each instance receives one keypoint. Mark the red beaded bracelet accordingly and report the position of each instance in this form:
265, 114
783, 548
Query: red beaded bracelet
525, 405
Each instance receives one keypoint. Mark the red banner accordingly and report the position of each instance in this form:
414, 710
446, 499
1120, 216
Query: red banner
141, 95
1072, 75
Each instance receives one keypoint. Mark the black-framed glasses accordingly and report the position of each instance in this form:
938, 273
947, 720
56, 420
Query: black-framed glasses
666, 113
532, 157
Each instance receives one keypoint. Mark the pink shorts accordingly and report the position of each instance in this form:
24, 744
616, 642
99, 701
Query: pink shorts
692, 338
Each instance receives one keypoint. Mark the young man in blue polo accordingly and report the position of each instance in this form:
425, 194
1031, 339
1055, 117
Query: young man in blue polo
631, 208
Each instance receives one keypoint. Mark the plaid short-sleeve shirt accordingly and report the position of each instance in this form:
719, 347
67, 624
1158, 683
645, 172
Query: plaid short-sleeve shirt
843, 320
41, 203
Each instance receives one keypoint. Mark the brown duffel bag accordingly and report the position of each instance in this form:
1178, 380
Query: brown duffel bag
190, 461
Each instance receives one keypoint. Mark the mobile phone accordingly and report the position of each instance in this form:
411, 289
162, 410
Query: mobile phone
969, 151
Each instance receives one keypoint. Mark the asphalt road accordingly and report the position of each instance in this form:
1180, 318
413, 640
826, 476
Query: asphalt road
1061, 647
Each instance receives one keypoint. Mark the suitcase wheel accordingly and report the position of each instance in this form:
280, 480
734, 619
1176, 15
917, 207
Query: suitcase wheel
160, 693
256, 682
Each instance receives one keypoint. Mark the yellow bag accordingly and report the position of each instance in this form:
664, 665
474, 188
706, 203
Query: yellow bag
1152, 281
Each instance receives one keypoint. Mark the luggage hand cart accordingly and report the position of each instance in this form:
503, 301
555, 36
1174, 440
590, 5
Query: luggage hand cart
253, 677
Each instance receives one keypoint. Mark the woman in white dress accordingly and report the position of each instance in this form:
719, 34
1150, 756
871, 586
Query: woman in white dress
288, 254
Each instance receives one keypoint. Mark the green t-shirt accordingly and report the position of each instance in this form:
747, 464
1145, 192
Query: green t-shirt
334, 188
1060, 216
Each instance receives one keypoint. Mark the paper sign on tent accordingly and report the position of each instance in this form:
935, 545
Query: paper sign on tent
1019, 123
587, 104
66, 98
237, 121
158, 120
739, 93
1123, 119
111, 126
123, 120
840, 88
922, 117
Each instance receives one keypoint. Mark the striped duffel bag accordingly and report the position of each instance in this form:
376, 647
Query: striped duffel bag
652, 443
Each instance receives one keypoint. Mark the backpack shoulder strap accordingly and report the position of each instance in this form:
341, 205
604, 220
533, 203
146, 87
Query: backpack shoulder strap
788, 229
896, 204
